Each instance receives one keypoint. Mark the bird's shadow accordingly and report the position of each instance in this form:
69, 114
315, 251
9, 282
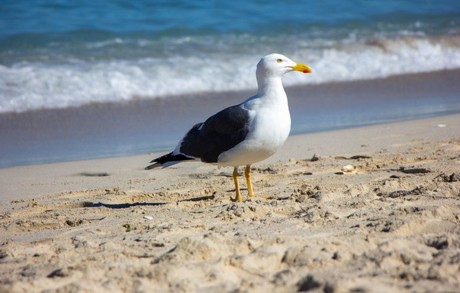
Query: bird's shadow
89, 204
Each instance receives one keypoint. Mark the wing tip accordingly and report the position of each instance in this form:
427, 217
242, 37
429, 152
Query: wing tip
167, 160
153, 166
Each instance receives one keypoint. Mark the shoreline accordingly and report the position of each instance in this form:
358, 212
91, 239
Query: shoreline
390, 224
140, 126
25, 182
236, 95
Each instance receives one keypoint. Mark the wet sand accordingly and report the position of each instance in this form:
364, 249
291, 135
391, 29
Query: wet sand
388, 223
144, 125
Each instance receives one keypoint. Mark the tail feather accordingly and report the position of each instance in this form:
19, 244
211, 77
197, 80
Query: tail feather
153, 166
164, 160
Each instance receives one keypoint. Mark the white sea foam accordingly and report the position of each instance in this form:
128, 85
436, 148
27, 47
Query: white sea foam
29, 86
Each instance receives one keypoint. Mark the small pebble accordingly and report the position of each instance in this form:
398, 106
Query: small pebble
348, 169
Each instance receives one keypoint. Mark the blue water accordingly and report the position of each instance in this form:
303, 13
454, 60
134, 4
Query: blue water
57, 54
186, 18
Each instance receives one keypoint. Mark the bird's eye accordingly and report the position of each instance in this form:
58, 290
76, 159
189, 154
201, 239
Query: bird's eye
279, 60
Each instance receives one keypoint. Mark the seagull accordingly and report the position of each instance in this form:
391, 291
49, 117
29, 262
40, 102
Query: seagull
243, 134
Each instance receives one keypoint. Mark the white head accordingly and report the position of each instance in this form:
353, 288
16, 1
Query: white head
276, 65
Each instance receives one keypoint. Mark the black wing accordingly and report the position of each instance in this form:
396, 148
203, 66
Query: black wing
217, 134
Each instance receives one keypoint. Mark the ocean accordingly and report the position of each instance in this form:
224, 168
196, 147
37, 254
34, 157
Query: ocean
56, 55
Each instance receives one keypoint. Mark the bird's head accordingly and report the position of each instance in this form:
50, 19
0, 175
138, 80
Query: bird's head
277, 65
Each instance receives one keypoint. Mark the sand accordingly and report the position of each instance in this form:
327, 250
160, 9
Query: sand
388, 222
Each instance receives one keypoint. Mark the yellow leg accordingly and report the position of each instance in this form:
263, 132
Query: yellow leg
237, 187
247, 174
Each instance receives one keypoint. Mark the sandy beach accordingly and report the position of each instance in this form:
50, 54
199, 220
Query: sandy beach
364, 196
387, 222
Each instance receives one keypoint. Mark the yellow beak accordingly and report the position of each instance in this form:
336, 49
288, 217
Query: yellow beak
302, 68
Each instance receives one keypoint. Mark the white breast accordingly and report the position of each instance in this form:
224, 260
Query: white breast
269, 129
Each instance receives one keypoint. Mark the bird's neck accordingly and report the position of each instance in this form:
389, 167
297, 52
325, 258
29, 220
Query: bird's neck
271, 86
